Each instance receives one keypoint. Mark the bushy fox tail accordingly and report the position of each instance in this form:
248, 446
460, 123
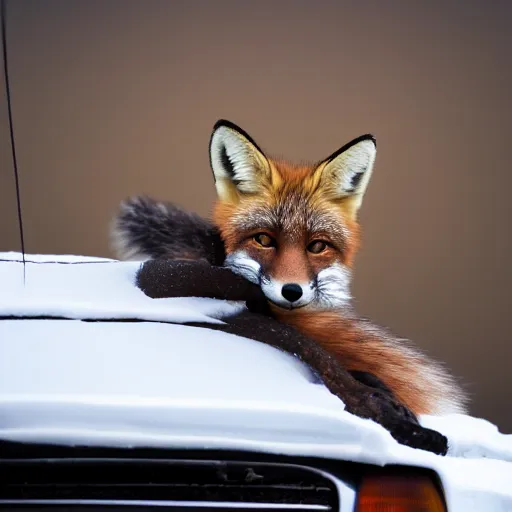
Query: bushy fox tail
147, 229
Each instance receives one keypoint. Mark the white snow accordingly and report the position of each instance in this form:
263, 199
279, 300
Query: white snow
49, 258
472, 437
162, 384
94, 288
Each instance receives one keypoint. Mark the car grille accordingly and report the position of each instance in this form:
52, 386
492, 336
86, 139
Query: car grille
190, 484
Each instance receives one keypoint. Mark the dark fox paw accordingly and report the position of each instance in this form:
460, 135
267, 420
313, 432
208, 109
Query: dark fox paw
383, 408
419, 437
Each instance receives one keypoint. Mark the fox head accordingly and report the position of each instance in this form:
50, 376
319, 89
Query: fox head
290, 228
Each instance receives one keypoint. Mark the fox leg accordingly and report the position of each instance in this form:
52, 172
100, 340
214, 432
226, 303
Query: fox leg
373, 402
363, 394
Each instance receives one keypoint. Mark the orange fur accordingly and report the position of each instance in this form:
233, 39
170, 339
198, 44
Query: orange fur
286, 179
365, 351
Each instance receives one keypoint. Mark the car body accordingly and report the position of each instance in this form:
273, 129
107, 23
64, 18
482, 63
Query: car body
108, 399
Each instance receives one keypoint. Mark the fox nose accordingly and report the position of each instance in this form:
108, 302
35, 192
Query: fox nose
291, 292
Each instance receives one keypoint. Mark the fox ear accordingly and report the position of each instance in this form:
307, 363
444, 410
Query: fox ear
238, 164
346, 173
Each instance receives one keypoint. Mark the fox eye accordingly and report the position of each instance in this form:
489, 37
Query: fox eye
264, 240
317, 246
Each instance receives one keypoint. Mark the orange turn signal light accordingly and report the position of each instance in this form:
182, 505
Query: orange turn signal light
399, 493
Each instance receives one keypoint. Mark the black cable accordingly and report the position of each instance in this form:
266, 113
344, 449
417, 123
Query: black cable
11, 131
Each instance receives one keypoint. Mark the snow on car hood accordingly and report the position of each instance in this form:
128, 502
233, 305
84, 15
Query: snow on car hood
167, 385
94, 288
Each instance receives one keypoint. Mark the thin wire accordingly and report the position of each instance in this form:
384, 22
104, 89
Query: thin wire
11, 131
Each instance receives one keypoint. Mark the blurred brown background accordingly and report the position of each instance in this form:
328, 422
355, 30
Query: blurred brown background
118, 97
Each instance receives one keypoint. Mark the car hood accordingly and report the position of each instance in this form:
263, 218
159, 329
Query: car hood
110, 367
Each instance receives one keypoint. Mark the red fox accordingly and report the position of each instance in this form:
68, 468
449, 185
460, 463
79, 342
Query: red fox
294, 231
